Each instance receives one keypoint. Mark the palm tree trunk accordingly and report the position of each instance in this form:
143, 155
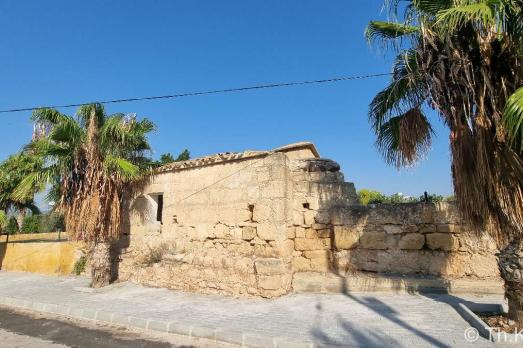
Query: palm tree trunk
101, 265
20, 216
510, 262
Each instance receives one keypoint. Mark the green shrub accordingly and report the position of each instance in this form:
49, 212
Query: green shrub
31, 224
370, 196
431, 198
79, 265
12, 226
51, 222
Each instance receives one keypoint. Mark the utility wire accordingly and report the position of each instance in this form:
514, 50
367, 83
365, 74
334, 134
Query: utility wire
193, 94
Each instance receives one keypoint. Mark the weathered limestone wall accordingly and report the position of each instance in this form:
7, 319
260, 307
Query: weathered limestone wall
268, 223
223, 229
403, 239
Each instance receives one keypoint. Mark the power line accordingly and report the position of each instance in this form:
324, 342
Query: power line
193, 94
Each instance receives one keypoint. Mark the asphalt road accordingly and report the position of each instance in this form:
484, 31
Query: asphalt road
25, 329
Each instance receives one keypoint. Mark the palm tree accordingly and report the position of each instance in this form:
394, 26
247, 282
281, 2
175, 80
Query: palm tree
12, 171
88, 162
464, 59
3, 221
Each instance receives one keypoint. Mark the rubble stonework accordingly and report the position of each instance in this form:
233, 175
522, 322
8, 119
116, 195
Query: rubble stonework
250, 223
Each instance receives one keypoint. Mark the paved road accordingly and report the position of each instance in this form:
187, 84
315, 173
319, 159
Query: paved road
28, 330
356, 320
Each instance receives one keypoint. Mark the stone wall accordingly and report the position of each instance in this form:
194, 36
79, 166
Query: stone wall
267, 223
223, 225
394, 239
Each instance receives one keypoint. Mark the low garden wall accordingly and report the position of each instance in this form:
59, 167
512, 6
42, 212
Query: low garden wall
393, 242
45, 253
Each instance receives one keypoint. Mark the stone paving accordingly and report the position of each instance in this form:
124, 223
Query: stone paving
354, 320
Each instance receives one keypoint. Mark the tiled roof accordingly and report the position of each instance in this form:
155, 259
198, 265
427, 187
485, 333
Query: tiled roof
233, 156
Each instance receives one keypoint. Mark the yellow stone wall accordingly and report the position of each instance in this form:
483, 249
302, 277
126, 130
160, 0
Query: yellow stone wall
38, 253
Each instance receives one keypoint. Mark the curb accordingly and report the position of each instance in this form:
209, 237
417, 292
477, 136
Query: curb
245, 339
484, 330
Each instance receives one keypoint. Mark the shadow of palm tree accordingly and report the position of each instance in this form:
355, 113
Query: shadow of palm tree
384, 310
352, 334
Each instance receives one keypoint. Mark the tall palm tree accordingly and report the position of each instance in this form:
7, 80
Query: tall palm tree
464, 59
12, 171
88, 161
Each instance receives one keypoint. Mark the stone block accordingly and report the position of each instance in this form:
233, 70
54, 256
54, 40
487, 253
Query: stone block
297, 218
248, 232
392, 229
310, 233
291, 232
261, 213
427, 228
285, 248
320, 264
392, 241
442, 241
345, 237
410, 228
309, 217
412, 241
300, 232
268, 232
448, 228
323, 217
309, 244
271, 282
316, 254
300, 264
221, 231
319, 226
325, 233
269, 266
374, 240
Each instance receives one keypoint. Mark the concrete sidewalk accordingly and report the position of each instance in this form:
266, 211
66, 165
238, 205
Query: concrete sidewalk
304, 320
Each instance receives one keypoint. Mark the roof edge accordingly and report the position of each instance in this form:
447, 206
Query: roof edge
297, 146
233, 156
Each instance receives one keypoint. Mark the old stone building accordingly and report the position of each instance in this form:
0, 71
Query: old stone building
267, 223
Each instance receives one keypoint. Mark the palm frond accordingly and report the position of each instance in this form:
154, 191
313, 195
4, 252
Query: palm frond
50, 116
404, 139
431, 7
84, 114
3, 220
127, 170
119, 136
34, 182
482, 13
385, 31
513, 119
404, 92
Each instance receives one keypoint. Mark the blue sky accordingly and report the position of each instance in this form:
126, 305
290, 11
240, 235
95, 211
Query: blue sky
57, 52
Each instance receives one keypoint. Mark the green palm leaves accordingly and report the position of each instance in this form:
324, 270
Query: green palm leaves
13, 172
513, 119
3, 220
433, 26
402, 129
81, 156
